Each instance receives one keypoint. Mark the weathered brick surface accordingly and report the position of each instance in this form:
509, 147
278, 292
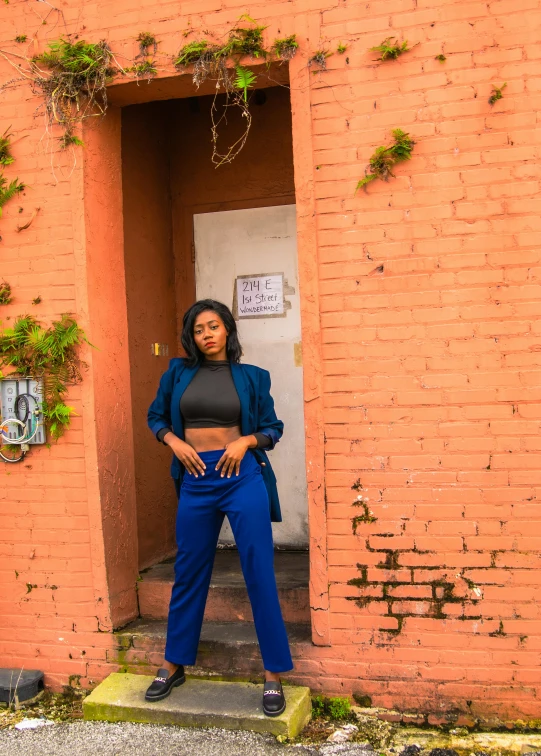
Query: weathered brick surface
429, 296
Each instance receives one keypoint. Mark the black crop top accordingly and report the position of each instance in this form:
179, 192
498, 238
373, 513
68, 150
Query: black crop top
211, 401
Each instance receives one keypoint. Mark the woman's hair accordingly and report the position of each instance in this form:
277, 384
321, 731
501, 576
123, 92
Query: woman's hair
194, 355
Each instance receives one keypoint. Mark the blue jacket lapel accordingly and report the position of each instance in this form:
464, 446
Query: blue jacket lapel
244, 395
179, 388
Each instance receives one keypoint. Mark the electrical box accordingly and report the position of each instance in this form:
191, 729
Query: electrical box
32, 388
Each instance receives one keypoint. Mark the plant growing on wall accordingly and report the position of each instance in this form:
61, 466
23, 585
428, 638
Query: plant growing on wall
285, 48
145, 70
30, 350
384, 159
5, 293
210, 61
146, 41
9, 190
72, 77
496, 94
320, 58
388, 51
6, 158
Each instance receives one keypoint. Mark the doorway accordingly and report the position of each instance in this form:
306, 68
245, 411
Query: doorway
257, 242
171, 189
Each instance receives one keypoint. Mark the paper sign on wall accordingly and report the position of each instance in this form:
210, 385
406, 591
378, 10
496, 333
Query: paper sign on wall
260, 295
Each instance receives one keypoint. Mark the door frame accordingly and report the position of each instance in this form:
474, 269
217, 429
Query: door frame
111, 499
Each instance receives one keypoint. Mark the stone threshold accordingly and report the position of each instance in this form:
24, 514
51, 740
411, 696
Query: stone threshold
197, 703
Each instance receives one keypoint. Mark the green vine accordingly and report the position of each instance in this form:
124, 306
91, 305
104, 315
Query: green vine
496, 93
30, 350
384, 159
391, 51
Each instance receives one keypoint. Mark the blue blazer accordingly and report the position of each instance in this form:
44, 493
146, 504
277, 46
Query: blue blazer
257, 415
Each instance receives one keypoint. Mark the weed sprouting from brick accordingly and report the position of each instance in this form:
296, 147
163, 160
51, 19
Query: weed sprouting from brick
319, 58
146, 41
388, 51
210, 61
6, 158
145, 70
286, 47
70, 140
8, 190
72, 77
496, 94
384, 159
5, 293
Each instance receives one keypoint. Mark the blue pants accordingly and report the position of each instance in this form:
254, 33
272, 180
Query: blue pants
203, 502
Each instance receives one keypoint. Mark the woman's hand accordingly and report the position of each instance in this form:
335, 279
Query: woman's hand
233, 455
185, 453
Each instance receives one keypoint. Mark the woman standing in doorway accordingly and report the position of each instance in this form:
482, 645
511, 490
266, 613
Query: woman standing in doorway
218, 417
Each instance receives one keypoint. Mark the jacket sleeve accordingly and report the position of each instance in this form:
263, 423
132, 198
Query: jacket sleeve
268, 421
159, 412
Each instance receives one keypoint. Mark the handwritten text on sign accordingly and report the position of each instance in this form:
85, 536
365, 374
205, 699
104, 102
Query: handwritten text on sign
260, 295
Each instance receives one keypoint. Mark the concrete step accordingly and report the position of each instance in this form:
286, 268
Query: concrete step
197, 703
227, 598
227, 650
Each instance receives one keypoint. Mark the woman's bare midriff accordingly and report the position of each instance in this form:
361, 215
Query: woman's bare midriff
207, 439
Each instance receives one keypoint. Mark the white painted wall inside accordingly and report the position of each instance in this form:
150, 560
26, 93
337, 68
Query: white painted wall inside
256, 242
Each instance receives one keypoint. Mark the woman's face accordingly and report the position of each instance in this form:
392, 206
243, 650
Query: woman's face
210, 335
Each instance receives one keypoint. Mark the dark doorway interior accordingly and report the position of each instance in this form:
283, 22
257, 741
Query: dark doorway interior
167, 176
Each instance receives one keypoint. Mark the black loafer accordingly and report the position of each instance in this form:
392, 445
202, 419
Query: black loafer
162, 685
274, 702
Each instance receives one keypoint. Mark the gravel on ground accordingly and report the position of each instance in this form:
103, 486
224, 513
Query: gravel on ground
129, 739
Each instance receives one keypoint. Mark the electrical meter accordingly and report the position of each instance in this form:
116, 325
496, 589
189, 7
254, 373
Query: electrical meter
22, 415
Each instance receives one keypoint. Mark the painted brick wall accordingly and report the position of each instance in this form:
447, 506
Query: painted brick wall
429, 291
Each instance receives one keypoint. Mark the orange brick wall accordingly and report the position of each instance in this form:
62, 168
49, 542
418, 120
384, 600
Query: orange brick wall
420, 329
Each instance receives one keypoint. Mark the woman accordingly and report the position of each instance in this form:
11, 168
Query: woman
211, 410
